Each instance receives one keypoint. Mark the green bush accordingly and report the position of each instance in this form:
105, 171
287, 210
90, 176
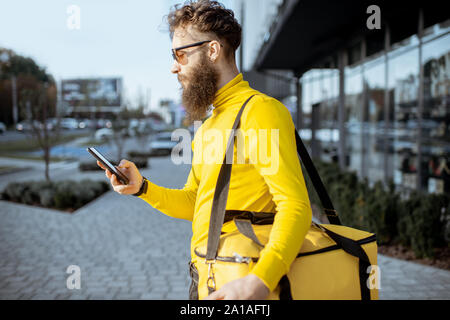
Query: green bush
46, 198
14, 191
139, 154
62, 195
422, 222
65, 192
376, 209
32, 193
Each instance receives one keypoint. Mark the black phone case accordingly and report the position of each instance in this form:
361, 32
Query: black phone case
119, 175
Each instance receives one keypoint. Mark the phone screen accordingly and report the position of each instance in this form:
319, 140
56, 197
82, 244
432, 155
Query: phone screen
108, 164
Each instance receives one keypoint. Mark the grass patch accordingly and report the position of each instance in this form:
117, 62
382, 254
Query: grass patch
34, 157
91, 143
8, 169
31, 144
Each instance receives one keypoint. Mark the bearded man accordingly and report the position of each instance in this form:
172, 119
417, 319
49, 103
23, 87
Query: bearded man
205, 36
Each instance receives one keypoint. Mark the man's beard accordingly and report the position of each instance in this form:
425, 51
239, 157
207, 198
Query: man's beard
198, 96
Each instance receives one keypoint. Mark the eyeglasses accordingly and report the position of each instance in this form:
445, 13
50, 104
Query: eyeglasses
180, 58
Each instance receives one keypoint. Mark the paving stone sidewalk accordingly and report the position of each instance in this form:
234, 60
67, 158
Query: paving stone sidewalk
125, 248
128, 250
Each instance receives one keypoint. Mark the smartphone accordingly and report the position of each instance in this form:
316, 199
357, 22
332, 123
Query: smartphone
108, 165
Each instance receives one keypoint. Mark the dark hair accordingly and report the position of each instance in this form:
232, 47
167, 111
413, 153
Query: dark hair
209, 17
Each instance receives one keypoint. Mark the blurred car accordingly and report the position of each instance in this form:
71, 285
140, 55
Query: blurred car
104, 134
25, 125
52, 123
157, 125
103, 123
2, 127
133, 127
68, 123
83, 123
140, 128
88, 124
163, 144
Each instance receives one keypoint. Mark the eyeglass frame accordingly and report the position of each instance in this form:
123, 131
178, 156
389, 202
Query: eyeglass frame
174, 51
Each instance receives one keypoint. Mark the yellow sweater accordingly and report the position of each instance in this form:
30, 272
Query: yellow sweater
257, 185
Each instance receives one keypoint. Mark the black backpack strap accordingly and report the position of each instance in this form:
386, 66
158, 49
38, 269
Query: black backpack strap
221, 193
316, 181
353, 248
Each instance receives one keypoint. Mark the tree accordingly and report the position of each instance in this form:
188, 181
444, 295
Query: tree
39, 103
36, 94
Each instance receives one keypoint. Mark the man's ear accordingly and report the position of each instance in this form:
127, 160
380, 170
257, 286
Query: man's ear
215, 49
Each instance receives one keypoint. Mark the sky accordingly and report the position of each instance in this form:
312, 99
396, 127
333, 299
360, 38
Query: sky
123, 38
115, 38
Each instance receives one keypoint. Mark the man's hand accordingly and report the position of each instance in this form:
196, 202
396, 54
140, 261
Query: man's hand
247, 288
129, 169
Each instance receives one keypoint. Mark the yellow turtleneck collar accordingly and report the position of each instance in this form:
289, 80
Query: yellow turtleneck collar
225, 93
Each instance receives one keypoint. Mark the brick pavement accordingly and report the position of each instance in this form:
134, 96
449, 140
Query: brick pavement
128, 250
125, 248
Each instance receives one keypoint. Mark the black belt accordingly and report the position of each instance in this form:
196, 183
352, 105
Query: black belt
258, 218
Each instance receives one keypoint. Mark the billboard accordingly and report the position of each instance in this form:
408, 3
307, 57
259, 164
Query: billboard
92, 94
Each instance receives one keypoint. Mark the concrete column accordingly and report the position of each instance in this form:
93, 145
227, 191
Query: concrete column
342, 61
299, 89
387, 46
315, 125
364, 109
241, 49
420, 104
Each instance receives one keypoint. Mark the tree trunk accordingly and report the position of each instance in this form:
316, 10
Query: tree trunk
47, 142
47, 162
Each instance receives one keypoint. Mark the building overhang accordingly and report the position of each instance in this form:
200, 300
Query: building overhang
306, 32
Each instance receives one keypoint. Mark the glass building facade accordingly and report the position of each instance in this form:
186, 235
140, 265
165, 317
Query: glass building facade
396, 115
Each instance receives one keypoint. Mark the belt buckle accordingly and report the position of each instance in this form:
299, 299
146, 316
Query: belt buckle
333, 213
211, 278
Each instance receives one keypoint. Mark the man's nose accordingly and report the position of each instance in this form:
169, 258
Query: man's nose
175, 67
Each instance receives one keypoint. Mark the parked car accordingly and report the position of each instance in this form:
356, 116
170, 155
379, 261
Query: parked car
85, 123
25, 125
157, 125
133, 127
103, 123
2, 127
68, 123
103, 134
52, 123
163, 144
